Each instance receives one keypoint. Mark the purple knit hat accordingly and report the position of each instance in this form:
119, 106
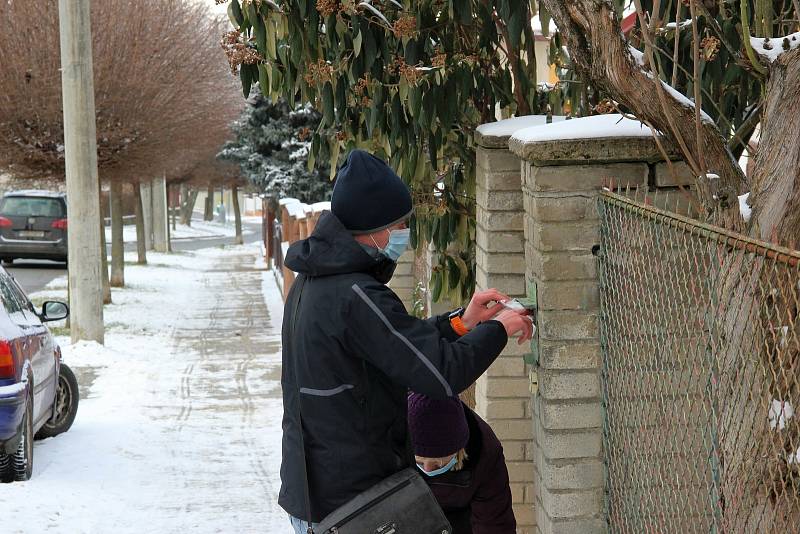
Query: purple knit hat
438, 427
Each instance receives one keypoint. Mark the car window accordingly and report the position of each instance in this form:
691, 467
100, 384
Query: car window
31, 207
8, 295
20, 295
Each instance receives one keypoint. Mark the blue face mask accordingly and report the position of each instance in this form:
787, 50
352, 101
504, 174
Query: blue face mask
443, 469
398, 243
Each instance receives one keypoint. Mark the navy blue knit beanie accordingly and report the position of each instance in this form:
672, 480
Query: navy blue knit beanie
368, 195
438, 427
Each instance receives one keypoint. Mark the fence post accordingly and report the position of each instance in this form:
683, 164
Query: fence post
561, 179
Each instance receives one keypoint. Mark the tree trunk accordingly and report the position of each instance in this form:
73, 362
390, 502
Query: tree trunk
775, 193
141, 241
104, 253
117, 239
160, 215
174, 201
187, 210
146, 188
170, 213
237, 215
208, 215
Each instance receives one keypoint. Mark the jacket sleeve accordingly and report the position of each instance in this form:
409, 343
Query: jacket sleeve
492, 511
412, 351
442, 324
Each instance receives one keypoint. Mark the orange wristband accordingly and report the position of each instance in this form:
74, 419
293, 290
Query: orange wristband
458, 326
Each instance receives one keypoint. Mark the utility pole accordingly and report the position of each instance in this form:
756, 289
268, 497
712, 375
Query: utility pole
80, 151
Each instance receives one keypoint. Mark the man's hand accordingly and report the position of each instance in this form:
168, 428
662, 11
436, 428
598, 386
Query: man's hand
517, 322
478, 309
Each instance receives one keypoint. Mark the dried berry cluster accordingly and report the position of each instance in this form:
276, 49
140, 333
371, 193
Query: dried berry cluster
710, 47
237, 52
361, 85
408, 72
405, 27
439, 59
327, 8
605, 106
318, 73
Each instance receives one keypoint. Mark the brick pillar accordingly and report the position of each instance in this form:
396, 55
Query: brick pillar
502, 394
561, 180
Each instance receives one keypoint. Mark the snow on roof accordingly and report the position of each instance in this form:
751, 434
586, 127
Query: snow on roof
597, 126
288, 200
771, 47
321, 206
508, 127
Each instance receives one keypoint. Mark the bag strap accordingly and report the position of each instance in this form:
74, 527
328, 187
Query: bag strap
301, 279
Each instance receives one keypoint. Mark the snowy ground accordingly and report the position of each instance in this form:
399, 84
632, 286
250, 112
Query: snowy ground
180, 427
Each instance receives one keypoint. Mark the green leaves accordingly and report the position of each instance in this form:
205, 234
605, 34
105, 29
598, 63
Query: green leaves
411, 94
328, 113
235, 13
259, 31
357, 40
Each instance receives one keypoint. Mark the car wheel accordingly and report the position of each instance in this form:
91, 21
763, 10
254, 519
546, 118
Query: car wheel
5, 468
22, 460
65, 405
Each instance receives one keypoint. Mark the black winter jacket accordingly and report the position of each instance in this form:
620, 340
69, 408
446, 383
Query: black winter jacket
355, 352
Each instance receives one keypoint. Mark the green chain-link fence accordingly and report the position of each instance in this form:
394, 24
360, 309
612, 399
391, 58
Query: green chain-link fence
701, 375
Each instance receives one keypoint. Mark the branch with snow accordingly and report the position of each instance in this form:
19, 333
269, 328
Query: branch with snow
770, 48
638, 57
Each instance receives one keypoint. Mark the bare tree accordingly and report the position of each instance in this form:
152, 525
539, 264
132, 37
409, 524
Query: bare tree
163, 99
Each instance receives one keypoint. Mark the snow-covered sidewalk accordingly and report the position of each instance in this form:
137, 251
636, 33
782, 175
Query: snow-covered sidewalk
180, 427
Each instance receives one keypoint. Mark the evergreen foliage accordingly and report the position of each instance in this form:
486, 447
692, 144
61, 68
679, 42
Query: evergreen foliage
271, 148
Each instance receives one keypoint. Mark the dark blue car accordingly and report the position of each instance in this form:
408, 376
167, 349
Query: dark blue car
38, 394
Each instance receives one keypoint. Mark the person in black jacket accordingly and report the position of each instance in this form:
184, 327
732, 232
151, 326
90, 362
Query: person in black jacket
464, 465
351, 350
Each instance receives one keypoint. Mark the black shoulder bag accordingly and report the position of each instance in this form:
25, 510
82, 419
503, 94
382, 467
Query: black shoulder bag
399, 504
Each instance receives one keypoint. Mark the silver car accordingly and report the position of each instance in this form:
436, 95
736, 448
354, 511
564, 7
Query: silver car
33, 224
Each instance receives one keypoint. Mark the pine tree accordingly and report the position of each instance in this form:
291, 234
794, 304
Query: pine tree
272, 149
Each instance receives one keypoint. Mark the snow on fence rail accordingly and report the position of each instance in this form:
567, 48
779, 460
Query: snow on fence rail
700, 337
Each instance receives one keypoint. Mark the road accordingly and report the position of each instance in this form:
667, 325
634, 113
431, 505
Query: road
34, 275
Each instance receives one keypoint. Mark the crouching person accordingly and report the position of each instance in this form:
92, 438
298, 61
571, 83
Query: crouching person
463, 463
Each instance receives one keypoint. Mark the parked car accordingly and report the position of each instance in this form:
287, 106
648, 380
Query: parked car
33, 224
38, 393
